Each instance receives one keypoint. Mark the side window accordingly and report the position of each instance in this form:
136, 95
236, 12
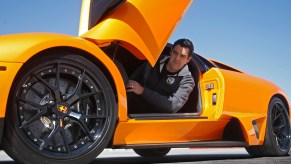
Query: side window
226, 67
206, 62
203, 64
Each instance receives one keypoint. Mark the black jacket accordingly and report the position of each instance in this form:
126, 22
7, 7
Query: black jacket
166, 94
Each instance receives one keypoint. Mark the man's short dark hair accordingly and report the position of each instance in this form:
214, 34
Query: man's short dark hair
185, 43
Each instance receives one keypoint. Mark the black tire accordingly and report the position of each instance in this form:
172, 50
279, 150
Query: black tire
277, 139
159, 152
61, 109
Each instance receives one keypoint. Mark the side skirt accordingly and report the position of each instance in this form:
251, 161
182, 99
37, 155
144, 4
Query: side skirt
185, 145
165, 116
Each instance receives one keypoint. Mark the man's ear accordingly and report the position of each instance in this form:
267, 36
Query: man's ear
189, 59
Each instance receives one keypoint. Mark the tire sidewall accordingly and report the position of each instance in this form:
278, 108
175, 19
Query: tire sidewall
270, 141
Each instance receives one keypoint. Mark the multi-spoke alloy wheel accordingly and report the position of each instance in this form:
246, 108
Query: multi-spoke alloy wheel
280, 126
62, 109
277, 139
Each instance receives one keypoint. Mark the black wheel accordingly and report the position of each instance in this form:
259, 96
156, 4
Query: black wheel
277, 139
159, 152
61, 110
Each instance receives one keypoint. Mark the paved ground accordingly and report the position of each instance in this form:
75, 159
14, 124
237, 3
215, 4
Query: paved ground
217, 155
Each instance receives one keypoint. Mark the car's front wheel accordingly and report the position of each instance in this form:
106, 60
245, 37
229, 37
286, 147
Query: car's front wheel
277, 138
61, 109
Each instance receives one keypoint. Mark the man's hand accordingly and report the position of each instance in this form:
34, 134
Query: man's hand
135, 87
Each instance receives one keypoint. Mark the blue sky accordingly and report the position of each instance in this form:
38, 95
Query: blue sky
251, 35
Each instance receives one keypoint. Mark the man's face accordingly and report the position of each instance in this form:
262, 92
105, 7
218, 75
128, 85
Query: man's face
178, 58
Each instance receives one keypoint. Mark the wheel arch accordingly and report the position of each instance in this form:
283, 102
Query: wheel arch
254, 127
284, 100
274, 144
84, 54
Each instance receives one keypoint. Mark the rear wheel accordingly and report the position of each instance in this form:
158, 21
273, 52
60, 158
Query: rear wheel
160, 152
61, 110
277, 139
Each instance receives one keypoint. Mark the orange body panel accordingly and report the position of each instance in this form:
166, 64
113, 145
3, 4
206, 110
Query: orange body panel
139, 28
6, 80
41, 41
168, 131
246, 93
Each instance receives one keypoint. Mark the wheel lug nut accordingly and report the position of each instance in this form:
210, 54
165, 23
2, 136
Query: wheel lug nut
54, 116
66, 119
64, 97
51, 103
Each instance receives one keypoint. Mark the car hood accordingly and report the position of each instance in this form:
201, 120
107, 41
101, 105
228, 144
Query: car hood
141, 26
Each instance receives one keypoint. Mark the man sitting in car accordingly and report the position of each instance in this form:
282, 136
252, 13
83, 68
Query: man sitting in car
166, 87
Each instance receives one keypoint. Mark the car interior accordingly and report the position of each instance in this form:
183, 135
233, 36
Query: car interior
127, 63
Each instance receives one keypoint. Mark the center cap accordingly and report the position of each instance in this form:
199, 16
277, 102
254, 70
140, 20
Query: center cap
62, 108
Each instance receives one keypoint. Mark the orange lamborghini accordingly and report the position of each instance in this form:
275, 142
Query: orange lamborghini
63, 98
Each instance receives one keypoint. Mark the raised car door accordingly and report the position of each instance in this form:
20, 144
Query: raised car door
141, 26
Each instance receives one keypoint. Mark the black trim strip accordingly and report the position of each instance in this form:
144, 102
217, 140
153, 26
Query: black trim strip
202, 66
185, 145
1, 129
3, 68
166, 116
254, 122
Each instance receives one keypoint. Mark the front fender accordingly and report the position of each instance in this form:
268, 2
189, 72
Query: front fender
16, 49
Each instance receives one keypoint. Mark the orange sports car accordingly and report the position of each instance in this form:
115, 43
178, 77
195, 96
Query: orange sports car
63, 98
